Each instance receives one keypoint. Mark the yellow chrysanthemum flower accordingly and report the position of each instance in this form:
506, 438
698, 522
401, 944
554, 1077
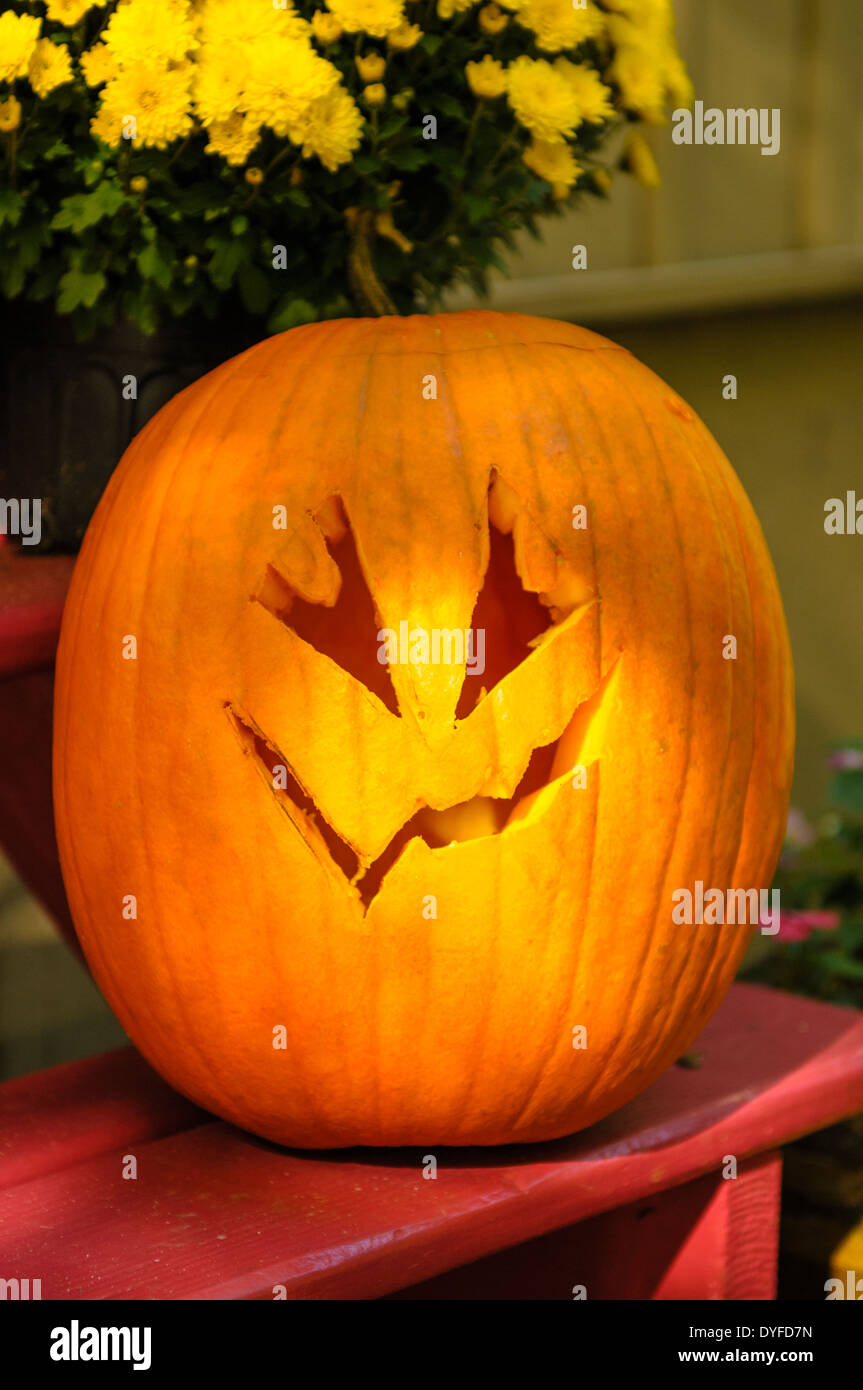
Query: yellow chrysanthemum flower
375, 94
70, 11
18, 36
10, 115
542, 99
641, 83
554, 163
405, 36
50, 66
234, 139
282, 78
147, 104
486, 79
375, 17
593, 97
557, 24
326, 27
639, 160
371, 68
492, 19
447, 8
99, 65
231, 24
150, 31
217, 87
331, 129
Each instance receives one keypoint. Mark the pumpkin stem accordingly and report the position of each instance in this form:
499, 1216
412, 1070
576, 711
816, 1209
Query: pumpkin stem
366, 288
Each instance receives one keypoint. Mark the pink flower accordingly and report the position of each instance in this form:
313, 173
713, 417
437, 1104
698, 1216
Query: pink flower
847, 759
797, 926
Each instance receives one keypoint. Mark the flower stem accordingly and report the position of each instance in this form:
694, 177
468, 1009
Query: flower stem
368, 292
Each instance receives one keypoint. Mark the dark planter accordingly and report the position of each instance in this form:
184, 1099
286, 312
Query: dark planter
64, 418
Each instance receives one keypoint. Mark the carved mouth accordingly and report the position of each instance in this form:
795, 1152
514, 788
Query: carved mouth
518, 624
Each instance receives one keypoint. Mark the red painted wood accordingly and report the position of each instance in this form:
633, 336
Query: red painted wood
57, 1118
26, 807
217, 1214
32, 593
709, 1239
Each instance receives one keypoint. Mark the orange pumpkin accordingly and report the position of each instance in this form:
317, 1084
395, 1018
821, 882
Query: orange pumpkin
340, 902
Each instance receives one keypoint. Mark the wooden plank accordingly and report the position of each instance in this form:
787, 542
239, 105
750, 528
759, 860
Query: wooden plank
689, 287
32, 594
216, 1214
709, 1239
57, 1118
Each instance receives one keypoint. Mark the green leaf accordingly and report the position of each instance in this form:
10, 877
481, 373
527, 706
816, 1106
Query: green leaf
152, 265
11, 206
408, 159
59, 150
83, 210
477, 208
239, 224
299, 198
291, 315
254, 288
227, 258
365, 164
449, 105
846, 789
431, 43
79, 287
393, 124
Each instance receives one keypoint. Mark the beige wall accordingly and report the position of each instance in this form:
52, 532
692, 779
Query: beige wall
794, 436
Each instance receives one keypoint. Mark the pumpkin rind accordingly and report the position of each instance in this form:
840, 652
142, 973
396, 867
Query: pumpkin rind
400, 1029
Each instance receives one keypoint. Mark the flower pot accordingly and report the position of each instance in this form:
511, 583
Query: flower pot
69, 409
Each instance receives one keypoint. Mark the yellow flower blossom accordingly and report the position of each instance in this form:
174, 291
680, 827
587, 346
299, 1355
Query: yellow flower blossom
492, 19
641, 83
371, 68
217, 88
374, 17
70, 11
375, 94
542, 99
99, 65
50, 66
150, 31
234, 138
405, 36
486, 79
331, 129
554, 163
10, 114
447, 8
282, 79
326, 27
18, 35
557, 24
146, 104
594, 99
638, 159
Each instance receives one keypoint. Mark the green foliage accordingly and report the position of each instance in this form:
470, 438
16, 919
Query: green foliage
824, 874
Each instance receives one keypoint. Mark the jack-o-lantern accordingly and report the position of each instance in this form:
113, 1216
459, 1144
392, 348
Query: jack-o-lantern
340, 884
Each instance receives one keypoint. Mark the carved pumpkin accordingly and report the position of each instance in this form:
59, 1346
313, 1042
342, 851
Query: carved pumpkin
341, 902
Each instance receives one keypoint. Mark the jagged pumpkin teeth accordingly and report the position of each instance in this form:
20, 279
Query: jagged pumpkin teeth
407, 766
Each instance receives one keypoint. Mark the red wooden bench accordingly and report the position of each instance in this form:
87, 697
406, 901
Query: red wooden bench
634, 1208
